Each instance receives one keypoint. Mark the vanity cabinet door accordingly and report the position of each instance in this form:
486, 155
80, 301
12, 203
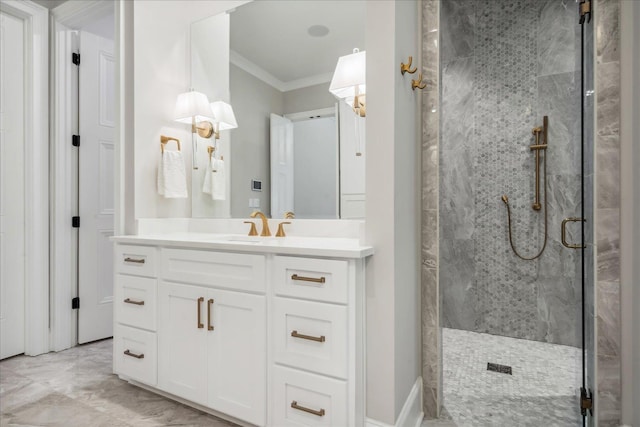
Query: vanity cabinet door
182, 341
237, 354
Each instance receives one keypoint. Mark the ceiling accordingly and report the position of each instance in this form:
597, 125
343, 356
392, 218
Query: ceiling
272, 35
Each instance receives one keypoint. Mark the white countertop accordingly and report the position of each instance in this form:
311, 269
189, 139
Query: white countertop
334, 247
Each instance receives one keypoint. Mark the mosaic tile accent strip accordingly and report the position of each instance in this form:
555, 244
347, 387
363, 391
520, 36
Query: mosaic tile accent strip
543, 390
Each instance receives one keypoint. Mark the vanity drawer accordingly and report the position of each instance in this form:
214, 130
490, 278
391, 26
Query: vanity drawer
137, 260
136, 354
325, 399
135, 301
311, 336
242, 272
311, 278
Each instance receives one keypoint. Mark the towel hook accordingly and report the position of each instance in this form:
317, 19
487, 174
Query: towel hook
417, 83
406, 68
165, 139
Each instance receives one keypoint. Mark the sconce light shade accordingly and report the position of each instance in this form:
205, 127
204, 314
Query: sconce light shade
350, 76
192, 106
223, 116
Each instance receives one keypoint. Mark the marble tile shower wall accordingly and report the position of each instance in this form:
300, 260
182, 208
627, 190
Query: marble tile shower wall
504, 64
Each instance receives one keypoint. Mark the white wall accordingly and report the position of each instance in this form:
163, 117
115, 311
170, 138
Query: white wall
253, 100
630, 210
161, 72
315, 168
392, 210
308, 98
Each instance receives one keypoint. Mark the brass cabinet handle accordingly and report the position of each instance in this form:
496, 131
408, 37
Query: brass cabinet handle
295, 334
209, 310
200, 301
130, 301
295, 405
564, 232
308, 279
134, 260
137, 356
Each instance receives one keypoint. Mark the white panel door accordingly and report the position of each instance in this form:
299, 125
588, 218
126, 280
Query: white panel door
237, 354
281, 166
182, 341
97, 121
12, 202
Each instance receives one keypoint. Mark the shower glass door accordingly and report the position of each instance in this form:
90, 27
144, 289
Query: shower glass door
588, 236
515, 183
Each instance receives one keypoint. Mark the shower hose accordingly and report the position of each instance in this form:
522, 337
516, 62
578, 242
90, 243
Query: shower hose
505, 199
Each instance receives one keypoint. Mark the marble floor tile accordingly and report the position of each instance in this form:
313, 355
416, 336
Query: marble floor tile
75, 387
543, 390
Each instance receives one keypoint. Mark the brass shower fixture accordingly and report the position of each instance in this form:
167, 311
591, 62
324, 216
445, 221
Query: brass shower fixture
537, 147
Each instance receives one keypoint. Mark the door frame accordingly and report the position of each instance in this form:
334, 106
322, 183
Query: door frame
36, 170
65, 19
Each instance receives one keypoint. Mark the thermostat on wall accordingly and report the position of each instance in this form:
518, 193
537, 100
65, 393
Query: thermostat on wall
256, 185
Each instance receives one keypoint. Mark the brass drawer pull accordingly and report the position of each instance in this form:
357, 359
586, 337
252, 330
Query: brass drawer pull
134, 260
199, 302
130, 301
295, 405
295, 334
137, 356
308, 279
209, 310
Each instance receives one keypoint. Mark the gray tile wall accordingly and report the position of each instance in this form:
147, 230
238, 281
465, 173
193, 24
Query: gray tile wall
607, 209
431, 299
505, 64
456, 40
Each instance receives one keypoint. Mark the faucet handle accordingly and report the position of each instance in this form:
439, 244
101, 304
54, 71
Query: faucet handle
252, 231
280, 232
289, 215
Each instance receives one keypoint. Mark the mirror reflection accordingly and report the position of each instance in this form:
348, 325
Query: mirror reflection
296, 148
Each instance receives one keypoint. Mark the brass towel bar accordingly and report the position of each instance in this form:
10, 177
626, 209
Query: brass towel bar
165, 139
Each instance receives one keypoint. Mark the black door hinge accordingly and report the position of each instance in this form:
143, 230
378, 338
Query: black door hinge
75, 58
75, 303
75, 140
585, 11
75, 222
586, 402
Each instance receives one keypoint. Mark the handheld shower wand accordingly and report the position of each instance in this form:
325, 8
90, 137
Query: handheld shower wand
537, 147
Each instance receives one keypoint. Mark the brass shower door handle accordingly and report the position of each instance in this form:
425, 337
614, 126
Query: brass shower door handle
564, 232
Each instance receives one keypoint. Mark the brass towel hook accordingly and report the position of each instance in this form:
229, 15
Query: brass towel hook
165, 139
406, 68
417, 83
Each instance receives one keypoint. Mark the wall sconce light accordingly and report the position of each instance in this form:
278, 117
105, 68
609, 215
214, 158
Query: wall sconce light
223, 117
193, 108
349, 80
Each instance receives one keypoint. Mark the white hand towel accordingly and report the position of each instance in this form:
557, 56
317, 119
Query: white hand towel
206, 186
172, 179
218, 181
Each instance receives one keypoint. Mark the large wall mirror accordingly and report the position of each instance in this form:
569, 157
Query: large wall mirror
296, 148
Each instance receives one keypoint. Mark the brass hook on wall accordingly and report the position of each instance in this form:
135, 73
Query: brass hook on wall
417, 83
406, 68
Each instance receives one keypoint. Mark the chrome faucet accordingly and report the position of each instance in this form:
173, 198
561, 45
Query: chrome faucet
265, 223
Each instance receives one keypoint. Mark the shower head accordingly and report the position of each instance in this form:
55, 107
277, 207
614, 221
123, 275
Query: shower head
505, 199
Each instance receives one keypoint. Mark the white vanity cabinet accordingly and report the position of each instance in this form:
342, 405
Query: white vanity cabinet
211, 348
269, 336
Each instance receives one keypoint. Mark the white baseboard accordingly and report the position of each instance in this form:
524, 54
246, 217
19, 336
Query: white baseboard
411, 414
